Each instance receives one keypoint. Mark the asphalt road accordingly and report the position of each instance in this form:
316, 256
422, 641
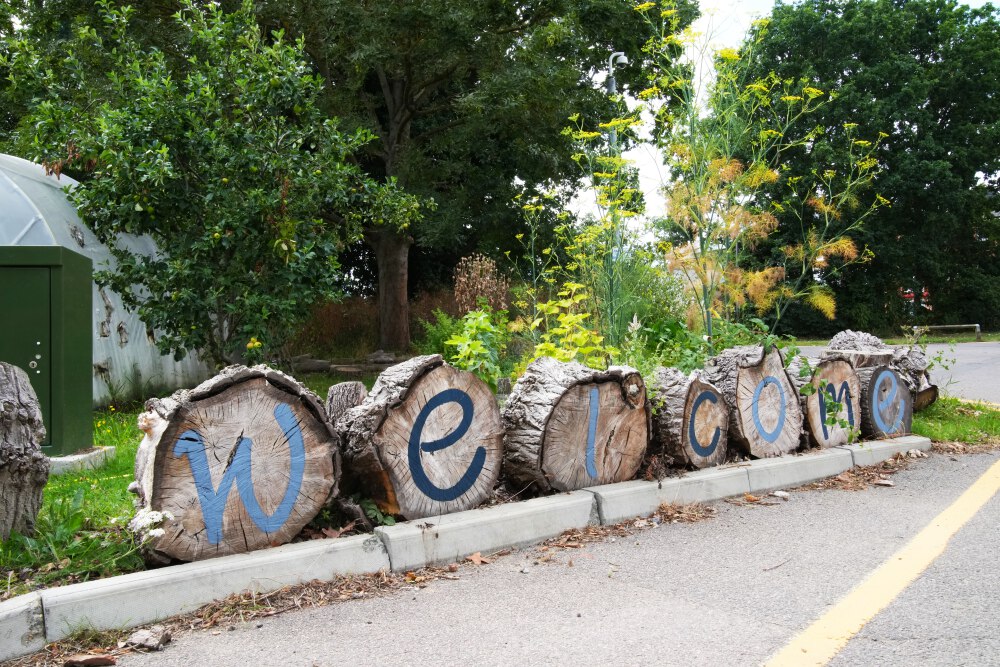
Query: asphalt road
731, 590
967, 370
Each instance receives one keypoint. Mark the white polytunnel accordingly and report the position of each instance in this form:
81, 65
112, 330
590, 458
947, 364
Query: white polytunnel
35, 211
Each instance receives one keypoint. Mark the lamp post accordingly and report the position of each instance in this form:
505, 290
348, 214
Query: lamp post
617, 59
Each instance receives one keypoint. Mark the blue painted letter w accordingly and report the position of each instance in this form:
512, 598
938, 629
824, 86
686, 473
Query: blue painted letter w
213, 503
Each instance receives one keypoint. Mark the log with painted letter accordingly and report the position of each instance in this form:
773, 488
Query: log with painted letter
690, 418
886, 403
765, 418
568, 426
24, 469
426, 441
834, 381
239, 463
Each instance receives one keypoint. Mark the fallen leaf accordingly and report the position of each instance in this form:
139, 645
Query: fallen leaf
89, 660
453, 567
478, 559
883, 482
750, 498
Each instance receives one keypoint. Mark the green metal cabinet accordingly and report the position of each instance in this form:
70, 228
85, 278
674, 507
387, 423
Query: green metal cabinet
46, 303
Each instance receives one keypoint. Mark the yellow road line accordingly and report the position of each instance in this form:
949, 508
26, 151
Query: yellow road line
824, 639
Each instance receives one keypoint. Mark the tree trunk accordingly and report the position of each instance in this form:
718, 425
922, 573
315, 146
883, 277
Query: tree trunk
242, 462
765, 418
690, 419
886, 403
568, 426
392, 251
426, 441
342, 397
24, 469
834, 381
859, 358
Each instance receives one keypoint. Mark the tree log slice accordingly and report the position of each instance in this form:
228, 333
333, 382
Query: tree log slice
427, 440
690, 418
24, 469
568, 426
242, 462
342, 397
765, 417
833, 381
886, 403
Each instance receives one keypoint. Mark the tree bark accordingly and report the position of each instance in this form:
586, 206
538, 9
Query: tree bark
426, 441
912, 365
886, 403
24, 469
690, 419
765, 417
342, 397
392, 250
568, 426
242, 462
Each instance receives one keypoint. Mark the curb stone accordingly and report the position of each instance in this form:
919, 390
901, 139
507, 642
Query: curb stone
870, 453
144, 597
22, 627
451, 537
30, 621
91, 460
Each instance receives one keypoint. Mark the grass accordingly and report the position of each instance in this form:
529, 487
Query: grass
958, 337
954, 420
80, 531
320, 383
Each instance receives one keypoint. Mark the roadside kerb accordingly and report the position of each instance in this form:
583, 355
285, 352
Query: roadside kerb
90, 460
870, 453
30, 621
144, 597
626, 500
788, 471
22, 628
451, 537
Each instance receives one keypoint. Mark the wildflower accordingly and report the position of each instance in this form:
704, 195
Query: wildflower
850, 126
729, 55
812, 92
644, 6
791, 98
253, 344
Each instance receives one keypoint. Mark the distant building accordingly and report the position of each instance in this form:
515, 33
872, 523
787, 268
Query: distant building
126, 361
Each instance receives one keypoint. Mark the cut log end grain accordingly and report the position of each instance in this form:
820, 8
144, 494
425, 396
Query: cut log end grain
765, 417
834, 381
886, 403
243, 462
427, 440
568, 426
690, 419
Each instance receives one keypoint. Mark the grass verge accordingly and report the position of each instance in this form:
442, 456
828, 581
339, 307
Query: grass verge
80, 531
949, 420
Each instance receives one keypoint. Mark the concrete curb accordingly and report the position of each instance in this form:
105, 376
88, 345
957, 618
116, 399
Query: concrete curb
30, 621
95, 458
22, 626
143, 597
450, 537
870, 453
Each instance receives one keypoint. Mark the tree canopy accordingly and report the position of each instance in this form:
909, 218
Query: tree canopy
922, 79
220, 153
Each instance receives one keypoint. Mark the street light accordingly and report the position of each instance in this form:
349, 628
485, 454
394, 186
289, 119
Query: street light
617, 59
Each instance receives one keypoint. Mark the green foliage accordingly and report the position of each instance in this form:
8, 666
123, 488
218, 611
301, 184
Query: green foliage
479, 345
222, 157
724, 139
436, 333
563, 331
927, 74
377, 516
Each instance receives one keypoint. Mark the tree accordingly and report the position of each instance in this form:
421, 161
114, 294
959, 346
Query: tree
221, 154
467, 101
926, 73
